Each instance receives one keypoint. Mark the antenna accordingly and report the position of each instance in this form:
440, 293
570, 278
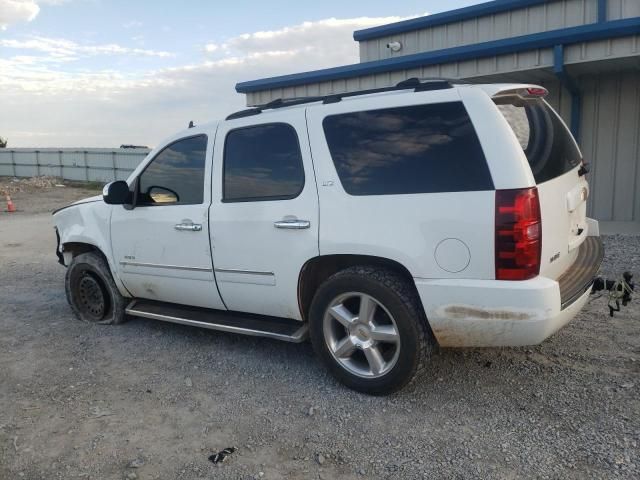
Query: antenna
191, 125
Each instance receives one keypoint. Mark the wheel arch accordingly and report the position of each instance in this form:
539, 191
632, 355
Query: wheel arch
72, 249
317, 269
78, 248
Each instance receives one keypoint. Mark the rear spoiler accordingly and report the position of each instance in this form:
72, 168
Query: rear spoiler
524, 90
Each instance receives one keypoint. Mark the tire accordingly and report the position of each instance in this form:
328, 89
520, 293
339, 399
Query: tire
385, 351
91, 291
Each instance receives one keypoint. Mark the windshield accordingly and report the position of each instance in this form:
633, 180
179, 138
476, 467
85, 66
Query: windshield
546, 141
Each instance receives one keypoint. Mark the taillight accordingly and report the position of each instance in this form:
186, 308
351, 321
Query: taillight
518, 234
537, 92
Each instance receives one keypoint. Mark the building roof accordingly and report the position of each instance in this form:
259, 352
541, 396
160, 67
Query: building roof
548, 39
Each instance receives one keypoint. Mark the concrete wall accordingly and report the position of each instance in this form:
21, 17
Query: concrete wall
84, 164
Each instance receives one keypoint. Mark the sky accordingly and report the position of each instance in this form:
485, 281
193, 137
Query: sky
101, 73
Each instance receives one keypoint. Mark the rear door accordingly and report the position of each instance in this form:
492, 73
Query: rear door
264, 213
555, 161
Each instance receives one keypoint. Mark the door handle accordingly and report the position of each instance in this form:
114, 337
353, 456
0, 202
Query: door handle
188, 227
293, 224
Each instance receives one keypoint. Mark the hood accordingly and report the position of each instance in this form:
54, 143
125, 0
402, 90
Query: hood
95, 198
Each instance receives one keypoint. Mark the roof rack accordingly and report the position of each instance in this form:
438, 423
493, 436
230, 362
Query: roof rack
417, 84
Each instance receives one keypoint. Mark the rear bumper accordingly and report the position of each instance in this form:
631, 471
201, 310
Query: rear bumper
490, 313
579, 277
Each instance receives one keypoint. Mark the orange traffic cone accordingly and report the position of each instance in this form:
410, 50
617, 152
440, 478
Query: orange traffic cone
10, 206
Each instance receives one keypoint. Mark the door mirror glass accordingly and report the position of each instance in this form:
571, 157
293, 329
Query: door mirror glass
116, 193
162, 195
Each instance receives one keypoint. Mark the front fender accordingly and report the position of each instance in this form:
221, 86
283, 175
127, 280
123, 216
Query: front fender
88, 223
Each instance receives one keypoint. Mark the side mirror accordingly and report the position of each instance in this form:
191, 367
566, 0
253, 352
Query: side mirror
116, 193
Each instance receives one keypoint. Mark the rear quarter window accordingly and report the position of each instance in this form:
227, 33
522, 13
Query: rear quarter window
403, 150
548, 145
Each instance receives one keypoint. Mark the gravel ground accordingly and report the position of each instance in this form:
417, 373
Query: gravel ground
150, 400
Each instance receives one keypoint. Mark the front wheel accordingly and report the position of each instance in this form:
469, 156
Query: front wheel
368, 327
91, 291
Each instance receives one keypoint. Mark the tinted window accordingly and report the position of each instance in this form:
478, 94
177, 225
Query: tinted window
176, 174
546, 142
262, 163
417, 149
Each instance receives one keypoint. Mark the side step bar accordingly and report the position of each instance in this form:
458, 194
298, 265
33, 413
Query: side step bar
284, 329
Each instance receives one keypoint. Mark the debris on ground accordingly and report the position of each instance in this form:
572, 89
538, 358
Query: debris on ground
222, 455
11, 185
136, 463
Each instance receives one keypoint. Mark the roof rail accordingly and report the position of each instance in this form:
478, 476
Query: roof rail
417, 84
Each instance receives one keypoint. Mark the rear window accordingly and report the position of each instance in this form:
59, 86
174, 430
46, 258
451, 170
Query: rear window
546, 142
416, 149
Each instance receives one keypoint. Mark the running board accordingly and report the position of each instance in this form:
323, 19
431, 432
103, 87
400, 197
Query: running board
284, 329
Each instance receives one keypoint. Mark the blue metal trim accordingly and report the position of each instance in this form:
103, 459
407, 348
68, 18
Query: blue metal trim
452, 16
582, 33
558, 59
569, 83
602, 10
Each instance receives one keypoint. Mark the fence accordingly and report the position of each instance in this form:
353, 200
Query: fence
82, 164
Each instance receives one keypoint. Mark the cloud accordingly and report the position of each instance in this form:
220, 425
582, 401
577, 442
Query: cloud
329, 39
49, 101
65, 49
132, 24
14, 11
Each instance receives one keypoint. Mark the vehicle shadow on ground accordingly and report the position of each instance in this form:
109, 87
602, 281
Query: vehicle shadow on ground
447, 369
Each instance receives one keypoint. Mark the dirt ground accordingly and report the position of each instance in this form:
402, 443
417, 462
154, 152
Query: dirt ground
150, 400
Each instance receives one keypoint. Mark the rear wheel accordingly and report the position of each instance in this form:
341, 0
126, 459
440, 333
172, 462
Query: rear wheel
368, 327
91, 291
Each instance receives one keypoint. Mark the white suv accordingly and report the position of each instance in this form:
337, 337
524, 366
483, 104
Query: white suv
381, 223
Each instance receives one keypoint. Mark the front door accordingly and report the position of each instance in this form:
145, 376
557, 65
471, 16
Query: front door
264, 213
161, 246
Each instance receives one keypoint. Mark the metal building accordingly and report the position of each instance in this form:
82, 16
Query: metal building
585, 52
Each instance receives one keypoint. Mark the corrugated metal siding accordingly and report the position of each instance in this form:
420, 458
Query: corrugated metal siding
502, 65
467, 69
88, 164
617, 9
549, 16
610, 139
603, 49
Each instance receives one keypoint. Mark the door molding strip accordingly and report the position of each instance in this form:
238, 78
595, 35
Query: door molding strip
245, 272
171, 267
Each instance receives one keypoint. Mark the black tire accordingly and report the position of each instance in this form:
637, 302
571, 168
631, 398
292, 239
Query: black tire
400, 300
91, 291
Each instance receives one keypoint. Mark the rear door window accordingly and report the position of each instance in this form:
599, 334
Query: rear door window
262, 162
547, 143
403, 150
